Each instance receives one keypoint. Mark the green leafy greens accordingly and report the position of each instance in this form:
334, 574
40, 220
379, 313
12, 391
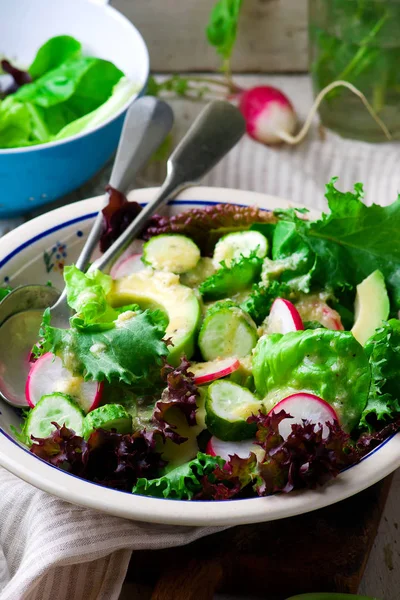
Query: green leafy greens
259, 302
183, 482
131, 351
330, 364
241, 274
343, 247
383, 349
69, 93
86, 294
222, 28
221, 33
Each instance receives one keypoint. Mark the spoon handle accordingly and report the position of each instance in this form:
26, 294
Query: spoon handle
217, 129
147, 123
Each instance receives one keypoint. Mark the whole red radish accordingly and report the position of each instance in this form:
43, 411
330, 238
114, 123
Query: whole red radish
268, 113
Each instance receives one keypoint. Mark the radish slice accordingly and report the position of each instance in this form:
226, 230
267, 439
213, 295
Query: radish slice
283, 317
331, 318
214, 369
127, 266
313, 308
47, 375
304, 406
217, 447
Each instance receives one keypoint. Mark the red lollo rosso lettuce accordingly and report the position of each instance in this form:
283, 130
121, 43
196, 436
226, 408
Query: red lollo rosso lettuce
181, 392
368, 441
205, 225
304, 459
109, 458
118, 215
20, 78
228, 482
63, 449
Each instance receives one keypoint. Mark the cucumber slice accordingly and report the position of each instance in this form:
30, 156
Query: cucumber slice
228, 406
241, 243
53, 408
109, 416
226, 331
171, 252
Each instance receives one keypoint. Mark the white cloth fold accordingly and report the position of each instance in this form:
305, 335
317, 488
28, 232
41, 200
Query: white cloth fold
51, 549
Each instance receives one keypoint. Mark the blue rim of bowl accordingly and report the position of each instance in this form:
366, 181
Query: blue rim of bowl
91, 216
141, 91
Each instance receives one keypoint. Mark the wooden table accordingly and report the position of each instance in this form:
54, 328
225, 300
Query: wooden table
262, 560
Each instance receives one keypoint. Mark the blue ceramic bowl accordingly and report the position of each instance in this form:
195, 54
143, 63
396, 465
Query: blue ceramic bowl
30, 177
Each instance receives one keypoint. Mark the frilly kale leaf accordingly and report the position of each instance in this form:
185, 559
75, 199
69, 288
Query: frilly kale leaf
131, 352
383, 349
349, 243
258, 304
182, 483
241, 274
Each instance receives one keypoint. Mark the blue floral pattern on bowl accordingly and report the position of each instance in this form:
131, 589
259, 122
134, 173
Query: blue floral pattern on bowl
55, 259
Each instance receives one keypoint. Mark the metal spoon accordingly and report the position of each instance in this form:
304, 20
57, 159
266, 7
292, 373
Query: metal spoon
147, 123
218, 128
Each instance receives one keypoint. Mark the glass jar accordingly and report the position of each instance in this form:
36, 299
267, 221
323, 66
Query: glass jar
357, 41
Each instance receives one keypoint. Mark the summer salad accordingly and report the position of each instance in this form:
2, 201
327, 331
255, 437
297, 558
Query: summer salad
63, 92
231, 352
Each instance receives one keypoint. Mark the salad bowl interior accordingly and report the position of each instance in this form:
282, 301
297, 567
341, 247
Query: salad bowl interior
36, 253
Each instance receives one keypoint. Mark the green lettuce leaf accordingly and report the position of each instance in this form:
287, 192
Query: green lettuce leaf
86, 294
226, 281
15, 124
348, 244
131, 351
383, 349
69, 93
330, 364
121, 93
182, 483
53, 53
73, 89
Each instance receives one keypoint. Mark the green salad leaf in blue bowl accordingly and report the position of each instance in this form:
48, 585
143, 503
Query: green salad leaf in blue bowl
67, 81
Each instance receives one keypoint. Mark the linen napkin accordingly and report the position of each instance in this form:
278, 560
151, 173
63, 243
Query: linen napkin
51, 549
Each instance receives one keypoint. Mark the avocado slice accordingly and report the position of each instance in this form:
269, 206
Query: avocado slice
156, 289
371, 307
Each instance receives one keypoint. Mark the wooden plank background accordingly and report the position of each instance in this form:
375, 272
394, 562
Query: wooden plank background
272, 35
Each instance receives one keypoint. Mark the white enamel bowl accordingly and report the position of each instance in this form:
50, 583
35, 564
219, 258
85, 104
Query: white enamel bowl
34, 253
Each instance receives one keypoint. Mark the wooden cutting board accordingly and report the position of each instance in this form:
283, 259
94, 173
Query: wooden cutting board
323, 551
